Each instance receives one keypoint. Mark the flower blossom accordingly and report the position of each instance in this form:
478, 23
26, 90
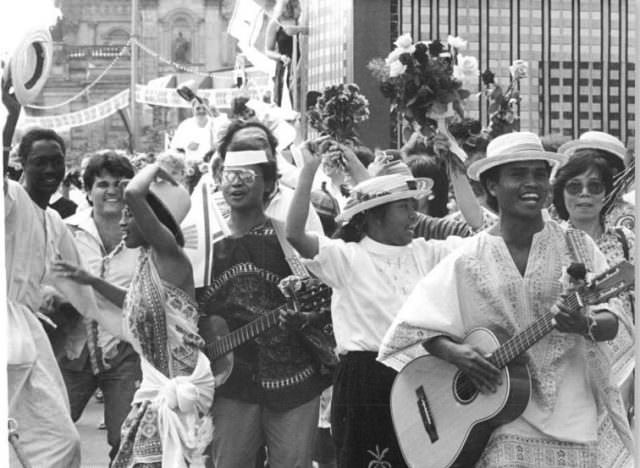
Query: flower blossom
457, 42
394, 55
519, 69
396, 69
404, 42
466, 70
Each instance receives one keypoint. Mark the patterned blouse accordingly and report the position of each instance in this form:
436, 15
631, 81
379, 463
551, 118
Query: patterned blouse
160, 322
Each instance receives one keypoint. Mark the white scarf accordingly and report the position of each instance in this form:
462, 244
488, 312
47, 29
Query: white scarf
179, 402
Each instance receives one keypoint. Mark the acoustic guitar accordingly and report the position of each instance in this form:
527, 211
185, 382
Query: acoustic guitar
440, 418
220, 342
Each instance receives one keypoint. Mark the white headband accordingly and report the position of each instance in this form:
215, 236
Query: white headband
245, 158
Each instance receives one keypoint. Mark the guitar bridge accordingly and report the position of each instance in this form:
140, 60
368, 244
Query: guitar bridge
425, 414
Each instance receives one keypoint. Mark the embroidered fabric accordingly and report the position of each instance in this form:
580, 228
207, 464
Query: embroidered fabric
160, 321
482, 281
621, 347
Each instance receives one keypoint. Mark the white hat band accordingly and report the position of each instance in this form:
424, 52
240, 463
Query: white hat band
245, 158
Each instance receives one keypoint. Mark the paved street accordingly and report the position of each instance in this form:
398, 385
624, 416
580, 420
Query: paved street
95, 450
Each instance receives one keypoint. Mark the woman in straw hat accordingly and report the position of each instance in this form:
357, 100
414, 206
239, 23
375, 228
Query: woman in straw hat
168, 424
372, 267
580, 189
613, 151
507, 279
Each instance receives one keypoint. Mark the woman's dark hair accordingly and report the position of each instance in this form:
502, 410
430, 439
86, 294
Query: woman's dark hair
432, 167
616, 164
356, 228
580, 163
108, 161
38, 134
493, 175
165, 217
269, 169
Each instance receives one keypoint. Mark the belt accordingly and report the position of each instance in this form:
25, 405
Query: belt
298, 377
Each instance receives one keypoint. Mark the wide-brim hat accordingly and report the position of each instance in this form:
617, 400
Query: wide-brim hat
513, 147
175, 198
382, 190
30, 65
595, 140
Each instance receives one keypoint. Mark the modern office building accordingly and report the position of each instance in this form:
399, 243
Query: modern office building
580, 55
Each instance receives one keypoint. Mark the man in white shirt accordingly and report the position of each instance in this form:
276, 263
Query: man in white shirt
198, 134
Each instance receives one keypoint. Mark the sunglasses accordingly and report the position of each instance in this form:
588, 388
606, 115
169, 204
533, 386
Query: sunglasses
575, 187
245, 176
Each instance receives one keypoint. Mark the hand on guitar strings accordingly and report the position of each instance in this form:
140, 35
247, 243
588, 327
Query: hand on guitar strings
293, 318
472, 362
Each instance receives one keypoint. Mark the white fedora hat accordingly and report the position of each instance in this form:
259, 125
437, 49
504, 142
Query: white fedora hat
513, 147
595, 140
381, 190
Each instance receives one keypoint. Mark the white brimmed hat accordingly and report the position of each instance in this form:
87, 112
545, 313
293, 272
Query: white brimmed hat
30, 65
513, 147
595, 140
381, 190
175, 198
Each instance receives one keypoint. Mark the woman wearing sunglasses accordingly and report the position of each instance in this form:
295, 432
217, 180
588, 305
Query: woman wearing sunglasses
579, 191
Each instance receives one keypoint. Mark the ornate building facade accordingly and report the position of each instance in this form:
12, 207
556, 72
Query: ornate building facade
89, 39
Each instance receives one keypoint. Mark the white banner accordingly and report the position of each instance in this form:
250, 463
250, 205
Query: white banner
82, 117
167, 97
220, 98
246, 22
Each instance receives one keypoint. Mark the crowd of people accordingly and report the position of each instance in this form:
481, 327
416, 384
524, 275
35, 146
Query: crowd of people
414, 247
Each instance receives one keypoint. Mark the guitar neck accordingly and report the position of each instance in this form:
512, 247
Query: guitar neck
240, 336
531, 335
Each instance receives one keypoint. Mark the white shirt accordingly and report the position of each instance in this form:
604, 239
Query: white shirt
116, 268
190, 132
370, 282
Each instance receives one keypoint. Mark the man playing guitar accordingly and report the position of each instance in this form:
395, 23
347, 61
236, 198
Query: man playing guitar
272, 395
505, 279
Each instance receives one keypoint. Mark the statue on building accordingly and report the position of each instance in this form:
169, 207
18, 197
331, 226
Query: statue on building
181, 49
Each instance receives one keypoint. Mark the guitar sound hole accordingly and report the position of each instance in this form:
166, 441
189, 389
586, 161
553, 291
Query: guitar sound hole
463, 389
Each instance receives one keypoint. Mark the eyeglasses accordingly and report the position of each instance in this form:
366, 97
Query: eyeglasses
575, 187
246, 176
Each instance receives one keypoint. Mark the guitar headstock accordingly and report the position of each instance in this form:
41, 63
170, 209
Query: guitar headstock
609, 284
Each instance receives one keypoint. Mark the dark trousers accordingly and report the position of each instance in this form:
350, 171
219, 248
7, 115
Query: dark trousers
360, 416
118, 386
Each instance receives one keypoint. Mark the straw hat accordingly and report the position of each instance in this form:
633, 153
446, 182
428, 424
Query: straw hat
175, 198
595, 140
30, 65
513, 147
381, 190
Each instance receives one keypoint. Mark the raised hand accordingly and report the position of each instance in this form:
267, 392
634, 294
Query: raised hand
312, 151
